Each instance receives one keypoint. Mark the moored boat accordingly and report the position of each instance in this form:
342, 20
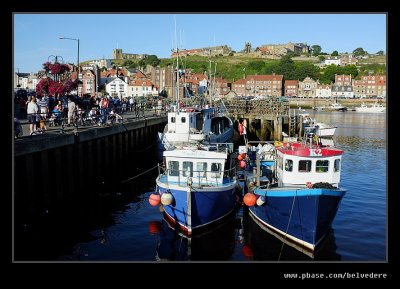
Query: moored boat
375, 108
293, 189
197, 186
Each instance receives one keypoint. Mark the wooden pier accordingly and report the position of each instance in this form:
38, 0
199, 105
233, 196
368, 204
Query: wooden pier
267, 118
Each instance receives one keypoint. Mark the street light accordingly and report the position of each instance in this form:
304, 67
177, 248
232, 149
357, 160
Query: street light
77, 64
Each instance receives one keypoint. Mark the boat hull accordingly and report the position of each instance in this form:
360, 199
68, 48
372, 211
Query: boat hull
207, 205
326, 132
302, 215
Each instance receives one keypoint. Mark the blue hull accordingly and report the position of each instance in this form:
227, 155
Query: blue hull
207, 206
304, 215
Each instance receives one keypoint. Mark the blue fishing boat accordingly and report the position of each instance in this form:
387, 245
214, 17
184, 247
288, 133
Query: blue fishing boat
293, 189
197, 185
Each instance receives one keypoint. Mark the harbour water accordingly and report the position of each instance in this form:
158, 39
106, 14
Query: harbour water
129, 229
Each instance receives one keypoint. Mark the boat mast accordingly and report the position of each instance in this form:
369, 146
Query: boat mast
209, 86
177, 70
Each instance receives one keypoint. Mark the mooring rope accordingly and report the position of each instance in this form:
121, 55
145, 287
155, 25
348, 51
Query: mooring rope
287, 228
134, 177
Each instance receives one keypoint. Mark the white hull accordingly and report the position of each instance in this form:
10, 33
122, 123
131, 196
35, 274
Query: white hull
371, 109
326, 132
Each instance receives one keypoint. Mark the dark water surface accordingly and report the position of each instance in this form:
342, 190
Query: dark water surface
125, 227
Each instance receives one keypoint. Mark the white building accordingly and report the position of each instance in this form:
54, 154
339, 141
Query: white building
141, 88
117, 87
332, 60
342, 91
323, 91
102, 63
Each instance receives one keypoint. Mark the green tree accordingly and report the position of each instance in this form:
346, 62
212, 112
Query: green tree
348, 70
286, 67
335, 53
142, 63
127, 62
380, 52
316, 50
256, 65
304, 69
152, 60
359, 51
321, 58
327, 76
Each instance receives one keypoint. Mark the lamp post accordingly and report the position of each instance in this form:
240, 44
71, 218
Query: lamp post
77, 64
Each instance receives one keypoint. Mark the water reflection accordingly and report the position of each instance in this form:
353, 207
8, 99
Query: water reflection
215, 245
261, 244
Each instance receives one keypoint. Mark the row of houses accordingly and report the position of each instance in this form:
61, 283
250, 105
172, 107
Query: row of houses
123, 82
343, 87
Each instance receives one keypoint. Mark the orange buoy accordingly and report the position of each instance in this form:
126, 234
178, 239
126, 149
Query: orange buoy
247, 251
154, 199
154, 227
309, 185
242, 164
250, 199
240, 157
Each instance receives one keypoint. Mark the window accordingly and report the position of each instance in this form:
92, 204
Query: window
183, 119
173, 167
201, 169
322, 166
288, 165
187, 168
304, 166
336, 167
215, 170
173, 119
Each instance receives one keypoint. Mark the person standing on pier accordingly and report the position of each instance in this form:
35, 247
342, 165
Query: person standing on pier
71, 111
243, 130
31, 111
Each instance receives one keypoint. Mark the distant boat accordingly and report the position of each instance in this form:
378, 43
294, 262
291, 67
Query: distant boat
333, 107
375, 108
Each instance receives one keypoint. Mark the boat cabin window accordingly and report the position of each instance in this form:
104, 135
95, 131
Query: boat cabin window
201, 169
173, 167
305, 166
215, 170
173, 119
183, 119
336, 167
322, 166
288, 165
187, 168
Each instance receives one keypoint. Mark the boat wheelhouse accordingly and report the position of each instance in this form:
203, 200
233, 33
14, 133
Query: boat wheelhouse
191, 125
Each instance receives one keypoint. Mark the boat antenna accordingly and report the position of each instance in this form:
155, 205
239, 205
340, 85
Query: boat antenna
210, 82
177, 68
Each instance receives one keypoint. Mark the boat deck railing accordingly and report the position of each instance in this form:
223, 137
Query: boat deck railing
198, 179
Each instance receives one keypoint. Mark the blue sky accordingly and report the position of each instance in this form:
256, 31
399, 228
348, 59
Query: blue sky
36, 35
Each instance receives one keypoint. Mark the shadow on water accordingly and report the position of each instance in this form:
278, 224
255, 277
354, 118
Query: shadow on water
214, 245
261, 244
53, 230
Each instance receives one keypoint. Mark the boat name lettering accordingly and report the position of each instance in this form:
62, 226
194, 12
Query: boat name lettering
315, 152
